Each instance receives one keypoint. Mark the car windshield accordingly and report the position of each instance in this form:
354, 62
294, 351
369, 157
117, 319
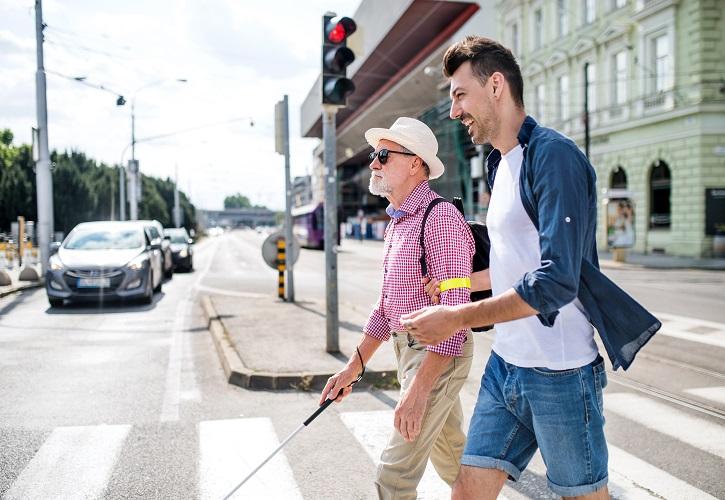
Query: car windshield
177, 236
125, 239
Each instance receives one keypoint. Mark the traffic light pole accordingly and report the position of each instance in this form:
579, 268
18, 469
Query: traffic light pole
331, 226
43, 177
288, 234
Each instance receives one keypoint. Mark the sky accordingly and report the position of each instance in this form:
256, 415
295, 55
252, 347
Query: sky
238, 57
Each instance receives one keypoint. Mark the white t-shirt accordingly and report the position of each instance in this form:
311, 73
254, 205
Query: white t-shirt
515, 250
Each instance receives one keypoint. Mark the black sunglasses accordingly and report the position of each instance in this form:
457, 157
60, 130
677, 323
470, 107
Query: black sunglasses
383, 155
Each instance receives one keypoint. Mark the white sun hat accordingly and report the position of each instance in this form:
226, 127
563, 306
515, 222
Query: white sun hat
414, 135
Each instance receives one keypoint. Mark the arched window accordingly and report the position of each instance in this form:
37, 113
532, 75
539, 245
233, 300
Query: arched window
660, 188
618, 179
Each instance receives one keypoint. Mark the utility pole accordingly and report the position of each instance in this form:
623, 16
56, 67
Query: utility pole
281, 120
331, 228
177, 210
586, 109
121, 193
43, 176
133, 168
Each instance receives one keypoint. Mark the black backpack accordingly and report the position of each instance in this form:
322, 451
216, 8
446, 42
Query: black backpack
480, 258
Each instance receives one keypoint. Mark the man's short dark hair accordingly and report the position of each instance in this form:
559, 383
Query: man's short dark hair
486, 56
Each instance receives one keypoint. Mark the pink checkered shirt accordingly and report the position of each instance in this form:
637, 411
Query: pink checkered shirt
449, 249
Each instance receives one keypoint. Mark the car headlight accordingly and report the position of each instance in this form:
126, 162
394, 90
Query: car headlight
137, 263
55, 263
183, 253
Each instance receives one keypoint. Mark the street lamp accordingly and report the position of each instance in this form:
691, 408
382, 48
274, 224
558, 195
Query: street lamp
133, 164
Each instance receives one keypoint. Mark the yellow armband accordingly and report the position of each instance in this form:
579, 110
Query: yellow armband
452, 283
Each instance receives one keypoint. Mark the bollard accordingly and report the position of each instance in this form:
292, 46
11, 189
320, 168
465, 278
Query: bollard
281, 266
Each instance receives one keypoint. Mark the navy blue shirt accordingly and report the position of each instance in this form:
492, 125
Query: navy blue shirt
558, 191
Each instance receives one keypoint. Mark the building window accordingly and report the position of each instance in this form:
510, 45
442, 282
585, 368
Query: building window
661, 55
562, 17
592, 87
618, 179
660, 188
619, 89
588, 11
538, 29
540, 91
563, 103
514, 34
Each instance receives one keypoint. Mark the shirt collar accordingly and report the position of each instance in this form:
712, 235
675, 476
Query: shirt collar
494, 157
412, 203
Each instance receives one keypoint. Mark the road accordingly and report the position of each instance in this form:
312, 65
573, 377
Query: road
130, 401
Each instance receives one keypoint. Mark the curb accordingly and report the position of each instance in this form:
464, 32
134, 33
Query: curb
238, 374
20, 288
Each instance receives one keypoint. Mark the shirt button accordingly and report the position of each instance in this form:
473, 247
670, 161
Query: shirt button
568, 219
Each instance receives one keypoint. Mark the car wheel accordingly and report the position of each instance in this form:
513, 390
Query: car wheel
158, 287
55, 302
148, 297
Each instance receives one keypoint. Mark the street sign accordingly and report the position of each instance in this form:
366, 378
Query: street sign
269, 249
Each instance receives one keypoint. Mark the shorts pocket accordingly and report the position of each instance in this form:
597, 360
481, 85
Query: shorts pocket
600, 382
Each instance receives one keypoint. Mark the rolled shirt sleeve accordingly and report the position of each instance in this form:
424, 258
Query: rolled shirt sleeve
377, 325
562, 183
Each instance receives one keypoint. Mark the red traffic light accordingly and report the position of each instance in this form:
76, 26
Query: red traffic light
339, 28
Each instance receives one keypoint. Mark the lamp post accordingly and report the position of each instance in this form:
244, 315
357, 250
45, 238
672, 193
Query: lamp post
133, 170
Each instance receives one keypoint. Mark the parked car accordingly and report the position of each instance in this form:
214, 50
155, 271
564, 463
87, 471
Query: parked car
104, 261
157, 232
182, 250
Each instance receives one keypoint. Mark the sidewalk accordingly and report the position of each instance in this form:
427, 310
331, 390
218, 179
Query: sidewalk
265, 343
16, 285
659, 261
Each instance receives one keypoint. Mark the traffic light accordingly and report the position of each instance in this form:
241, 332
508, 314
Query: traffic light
336, 57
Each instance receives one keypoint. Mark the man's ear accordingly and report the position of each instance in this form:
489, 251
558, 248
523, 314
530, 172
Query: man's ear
497, 83
416, 165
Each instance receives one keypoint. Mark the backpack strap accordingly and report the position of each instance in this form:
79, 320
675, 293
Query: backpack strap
433, 203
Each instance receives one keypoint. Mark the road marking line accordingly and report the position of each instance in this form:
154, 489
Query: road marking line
633, 478
170, 406
716, 394
230, 449
372, 430
74, 462
666, 420
681, 327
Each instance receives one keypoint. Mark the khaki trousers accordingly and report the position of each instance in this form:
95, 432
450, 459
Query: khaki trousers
441, 439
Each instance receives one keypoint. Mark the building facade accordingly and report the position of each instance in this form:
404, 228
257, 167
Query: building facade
655, 92
653, 76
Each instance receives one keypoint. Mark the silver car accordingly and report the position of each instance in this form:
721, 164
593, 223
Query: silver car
105, 261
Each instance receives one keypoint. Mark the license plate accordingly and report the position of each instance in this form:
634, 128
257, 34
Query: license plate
94, 282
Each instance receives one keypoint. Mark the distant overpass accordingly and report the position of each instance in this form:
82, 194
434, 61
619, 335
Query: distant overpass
236, 217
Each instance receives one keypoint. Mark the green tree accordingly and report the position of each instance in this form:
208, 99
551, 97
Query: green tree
236, 201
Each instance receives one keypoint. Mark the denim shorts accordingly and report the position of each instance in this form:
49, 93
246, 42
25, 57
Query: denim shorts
560, 412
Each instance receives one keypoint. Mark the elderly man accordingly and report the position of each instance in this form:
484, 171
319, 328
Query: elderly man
428, 415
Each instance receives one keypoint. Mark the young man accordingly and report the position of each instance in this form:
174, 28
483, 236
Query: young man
542, 387
428, 416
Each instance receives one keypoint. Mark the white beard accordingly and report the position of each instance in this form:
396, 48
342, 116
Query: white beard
379, 187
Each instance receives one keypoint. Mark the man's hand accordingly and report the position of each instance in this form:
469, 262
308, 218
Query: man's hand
339, 382
432, 288
409, 413
432, 325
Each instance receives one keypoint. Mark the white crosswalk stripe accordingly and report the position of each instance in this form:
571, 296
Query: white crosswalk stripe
74, 462
716, 394
77, 462
667, 420
230, 449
